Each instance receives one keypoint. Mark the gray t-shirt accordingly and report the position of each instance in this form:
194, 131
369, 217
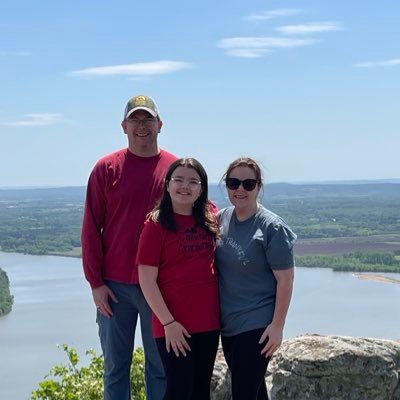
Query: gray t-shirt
246, 254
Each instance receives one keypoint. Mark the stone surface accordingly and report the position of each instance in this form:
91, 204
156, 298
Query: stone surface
314, 367
221, 379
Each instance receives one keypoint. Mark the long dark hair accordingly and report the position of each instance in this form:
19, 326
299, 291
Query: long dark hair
203, 213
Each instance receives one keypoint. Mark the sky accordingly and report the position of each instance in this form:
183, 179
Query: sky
310, 89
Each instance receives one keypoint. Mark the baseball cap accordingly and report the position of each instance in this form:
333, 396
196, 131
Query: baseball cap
141, 102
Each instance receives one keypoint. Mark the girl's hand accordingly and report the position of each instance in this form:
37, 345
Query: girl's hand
175, 338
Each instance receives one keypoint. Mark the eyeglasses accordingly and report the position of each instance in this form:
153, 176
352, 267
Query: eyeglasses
234, 183
192, 183
147, 122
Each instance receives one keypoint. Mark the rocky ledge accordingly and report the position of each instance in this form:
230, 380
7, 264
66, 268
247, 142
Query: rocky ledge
314, 367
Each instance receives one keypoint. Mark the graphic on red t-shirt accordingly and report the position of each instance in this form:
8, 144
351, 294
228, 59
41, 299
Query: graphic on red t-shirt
186, 273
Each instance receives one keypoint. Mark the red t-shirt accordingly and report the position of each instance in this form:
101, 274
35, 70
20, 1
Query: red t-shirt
187, 276
122, 189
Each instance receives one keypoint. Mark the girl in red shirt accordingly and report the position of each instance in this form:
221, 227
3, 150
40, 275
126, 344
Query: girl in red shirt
178, 279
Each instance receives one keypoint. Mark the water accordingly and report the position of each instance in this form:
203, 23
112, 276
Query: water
338, 303
53, 305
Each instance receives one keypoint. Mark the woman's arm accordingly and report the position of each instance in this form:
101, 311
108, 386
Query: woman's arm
274, 331
175, 333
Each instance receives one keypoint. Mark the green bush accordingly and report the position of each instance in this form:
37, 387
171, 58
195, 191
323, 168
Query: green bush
70, 382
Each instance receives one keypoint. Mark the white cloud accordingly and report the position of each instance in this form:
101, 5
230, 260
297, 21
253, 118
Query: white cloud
375, 64
305, 29
258, 46
35, 120
280, 12
139, 78
138, 69
246, 53
263, 42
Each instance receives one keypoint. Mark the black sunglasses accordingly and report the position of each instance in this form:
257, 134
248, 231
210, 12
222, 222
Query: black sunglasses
234, 183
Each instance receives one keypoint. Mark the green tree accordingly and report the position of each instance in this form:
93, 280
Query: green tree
6, 299
70, 382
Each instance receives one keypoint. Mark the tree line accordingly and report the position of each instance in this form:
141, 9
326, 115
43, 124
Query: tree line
357, 262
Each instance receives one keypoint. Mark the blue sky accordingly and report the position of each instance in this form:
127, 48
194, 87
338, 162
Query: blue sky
308, 88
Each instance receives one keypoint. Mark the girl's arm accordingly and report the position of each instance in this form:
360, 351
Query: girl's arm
175, 333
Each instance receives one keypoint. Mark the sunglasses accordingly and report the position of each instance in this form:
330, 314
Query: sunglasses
234, 183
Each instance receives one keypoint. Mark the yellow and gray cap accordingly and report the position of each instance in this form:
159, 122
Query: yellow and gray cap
141, 102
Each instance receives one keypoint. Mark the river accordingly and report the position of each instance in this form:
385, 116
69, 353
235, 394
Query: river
53, 305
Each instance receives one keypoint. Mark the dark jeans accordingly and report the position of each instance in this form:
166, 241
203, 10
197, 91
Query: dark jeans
189, 378
247, 365
117, 335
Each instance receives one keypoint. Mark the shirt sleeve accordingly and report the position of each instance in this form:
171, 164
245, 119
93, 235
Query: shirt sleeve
212, 207
150, 245
280, 244
92, 225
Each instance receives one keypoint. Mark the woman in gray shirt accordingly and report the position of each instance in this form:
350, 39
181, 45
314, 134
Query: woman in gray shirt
255, 261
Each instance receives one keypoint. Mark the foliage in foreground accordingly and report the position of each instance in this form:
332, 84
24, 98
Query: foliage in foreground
70, 382
357, 262
6, 299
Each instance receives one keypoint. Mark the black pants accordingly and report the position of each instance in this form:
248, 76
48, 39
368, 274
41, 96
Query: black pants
247, 365
189, 378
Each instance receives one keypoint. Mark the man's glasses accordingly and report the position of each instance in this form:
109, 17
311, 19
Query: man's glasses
192, 183
234, 183
147, 122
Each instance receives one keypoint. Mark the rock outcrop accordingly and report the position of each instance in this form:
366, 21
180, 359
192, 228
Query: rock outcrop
314, 367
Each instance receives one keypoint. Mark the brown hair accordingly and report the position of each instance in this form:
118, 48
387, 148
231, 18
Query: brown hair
202, 209
245, 162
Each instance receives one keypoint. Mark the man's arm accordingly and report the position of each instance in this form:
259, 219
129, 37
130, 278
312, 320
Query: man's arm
91, 236
92, 243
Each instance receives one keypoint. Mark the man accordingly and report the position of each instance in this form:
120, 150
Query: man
123, 187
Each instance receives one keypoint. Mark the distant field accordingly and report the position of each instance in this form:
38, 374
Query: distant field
324, 246
337, 246
330, 219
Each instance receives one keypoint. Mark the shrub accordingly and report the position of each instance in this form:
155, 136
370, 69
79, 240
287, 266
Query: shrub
70, 382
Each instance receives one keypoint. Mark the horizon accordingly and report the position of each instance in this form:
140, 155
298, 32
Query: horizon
337, 182
308, 89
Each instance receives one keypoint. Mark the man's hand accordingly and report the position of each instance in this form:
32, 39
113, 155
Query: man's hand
100, 297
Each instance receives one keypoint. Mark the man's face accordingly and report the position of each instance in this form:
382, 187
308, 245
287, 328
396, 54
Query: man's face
142, 130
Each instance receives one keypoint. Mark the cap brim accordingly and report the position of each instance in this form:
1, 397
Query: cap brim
149, 110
